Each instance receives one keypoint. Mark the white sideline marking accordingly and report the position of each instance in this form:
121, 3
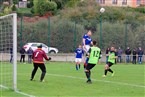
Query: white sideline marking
22, 93
119, 83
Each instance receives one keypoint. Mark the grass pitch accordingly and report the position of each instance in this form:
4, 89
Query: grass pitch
62, 80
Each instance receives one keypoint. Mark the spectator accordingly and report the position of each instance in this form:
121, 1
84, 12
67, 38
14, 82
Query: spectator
22, 52
120, 55
134, 52
11, 53
116, 52
107, 54
128, 53
140, 54
30, 52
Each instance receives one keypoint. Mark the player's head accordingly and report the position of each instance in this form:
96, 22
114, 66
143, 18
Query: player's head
112, 48
89, 33
94, 42
80, 46
39, 45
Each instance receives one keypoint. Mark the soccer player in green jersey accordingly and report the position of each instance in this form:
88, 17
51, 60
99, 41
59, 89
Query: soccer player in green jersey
94, 55
111, 61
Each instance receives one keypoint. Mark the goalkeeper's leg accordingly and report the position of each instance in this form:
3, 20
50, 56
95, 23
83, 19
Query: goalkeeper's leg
34, 71
43, 69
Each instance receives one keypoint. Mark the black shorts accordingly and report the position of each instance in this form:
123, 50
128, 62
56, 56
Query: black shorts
90, 66
40, 65
109, 64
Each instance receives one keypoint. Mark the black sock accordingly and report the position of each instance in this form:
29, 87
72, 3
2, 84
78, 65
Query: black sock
79, 66
88, 75
110, 70
105, 72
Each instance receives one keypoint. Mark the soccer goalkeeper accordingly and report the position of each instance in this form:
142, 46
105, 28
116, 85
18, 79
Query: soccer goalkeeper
37, 57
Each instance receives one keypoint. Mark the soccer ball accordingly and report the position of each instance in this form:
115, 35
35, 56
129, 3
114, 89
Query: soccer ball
102, 10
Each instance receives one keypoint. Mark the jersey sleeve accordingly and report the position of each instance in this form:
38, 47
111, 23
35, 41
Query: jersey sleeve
45, 56
76, 51
83, 52
89, 51
116, 54
84, 37
100, 55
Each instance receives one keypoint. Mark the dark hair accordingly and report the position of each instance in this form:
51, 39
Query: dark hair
39, 46
94, 42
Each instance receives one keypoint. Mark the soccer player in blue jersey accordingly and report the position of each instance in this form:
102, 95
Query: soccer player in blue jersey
79, 53
87, 41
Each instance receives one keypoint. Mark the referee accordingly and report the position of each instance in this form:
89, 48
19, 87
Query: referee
37, 57
94, 55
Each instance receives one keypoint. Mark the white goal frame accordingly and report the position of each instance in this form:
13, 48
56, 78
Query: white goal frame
14, 20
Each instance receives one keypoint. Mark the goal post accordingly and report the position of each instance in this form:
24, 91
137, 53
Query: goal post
8, 40
15, 51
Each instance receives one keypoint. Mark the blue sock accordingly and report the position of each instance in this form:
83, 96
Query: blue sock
76, 67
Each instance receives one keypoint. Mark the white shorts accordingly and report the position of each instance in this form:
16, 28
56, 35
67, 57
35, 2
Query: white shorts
87, 48
78, 60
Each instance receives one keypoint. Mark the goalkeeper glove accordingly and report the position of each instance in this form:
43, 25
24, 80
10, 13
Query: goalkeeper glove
49, 59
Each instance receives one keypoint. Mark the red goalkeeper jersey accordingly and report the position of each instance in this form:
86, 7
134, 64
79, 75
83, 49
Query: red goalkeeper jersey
39, 55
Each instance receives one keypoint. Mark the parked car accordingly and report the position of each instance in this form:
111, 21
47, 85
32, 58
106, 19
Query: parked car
44, 47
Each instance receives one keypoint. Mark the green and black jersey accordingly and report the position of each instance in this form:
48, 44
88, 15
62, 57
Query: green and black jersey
112, 56
94, 53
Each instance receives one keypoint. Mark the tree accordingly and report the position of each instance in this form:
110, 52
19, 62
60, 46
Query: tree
43, 6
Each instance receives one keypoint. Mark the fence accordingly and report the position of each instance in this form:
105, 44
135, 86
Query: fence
66, 58
67, 34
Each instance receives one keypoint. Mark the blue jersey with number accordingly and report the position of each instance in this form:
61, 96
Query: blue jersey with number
79, 53
88, 39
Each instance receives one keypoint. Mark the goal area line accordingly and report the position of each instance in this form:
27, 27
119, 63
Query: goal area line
17, 91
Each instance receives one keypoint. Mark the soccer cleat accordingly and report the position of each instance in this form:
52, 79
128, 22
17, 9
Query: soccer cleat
89, 81
42, 81
113, 74
31, 79
104, 76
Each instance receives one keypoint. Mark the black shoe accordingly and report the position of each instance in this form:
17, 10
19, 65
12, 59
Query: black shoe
31, 79
89, 81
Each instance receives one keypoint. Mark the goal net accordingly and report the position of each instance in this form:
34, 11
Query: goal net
8, 51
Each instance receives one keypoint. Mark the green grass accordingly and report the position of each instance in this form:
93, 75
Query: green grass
62, 80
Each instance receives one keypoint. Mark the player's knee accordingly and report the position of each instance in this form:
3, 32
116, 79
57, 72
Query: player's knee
87, 70
106, 67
